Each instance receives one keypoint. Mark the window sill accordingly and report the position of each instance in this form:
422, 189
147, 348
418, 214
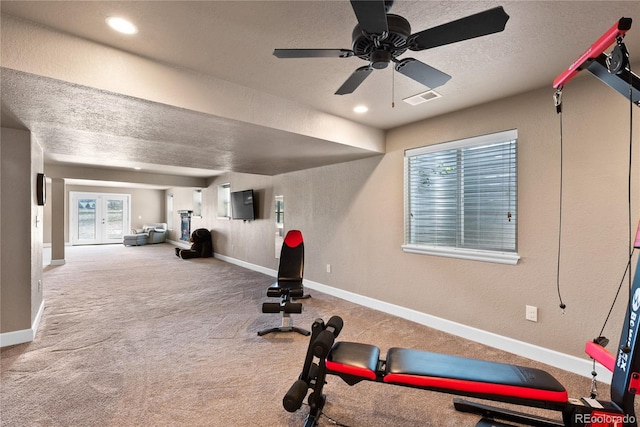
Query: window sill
510, 258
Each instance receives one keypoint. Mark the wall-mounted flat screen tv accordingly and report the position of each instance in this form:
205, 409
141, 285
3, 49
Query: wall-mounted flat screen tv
242, 205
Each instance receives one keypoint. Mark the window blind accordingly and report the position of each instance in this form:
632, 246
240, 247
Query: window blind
463, 194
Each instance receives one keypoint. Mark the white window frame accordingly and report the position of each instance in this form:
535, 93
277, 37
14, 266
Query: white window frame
224, 201
169, 211
503, 257
197, 203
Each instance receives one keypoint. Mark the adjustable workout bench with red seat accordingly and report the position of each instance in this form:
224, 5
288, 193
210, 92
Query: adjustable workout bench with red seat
288, 285
528, 387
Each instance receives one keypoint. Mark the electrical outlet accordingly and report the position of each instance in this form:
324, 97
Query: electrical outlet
328, 268
531, 313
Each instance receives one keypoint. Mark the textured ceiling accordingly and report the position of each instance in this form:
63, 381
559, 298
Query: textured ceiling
76, 124
234, 40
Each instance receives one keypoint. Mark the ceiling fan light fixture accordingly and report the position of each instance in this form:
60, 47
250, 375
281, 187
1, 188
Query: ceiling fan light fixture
380, 59
121, 25
423, 97
361, 109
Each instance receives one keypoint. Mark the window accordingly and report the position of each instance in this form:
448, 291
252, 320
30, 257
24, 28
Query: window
461, 198
279, 205
224, 200
197, 203
169, 213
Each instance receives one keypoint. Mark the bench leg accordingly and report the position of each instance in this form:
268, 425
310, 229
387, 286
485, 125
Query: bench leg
286, 326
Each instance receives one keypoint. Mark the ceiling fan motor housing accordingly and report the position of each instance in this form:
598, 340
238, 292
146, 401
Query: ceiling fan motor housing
392, 46
380, 59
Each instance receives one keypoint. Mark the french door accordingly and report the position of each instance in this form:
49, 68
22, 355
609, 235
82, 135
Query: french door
98, 218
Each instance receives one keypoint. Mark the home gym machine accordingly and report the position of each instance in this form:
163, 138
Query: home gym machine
519, 385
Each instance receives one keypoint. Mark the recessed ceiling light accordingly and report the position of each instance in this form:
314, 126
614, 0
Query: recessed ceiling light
137, 168
121, 25
360, 109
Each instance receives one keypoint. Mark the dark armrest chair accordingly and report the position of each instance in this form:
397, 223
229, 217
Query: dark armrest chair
289, 284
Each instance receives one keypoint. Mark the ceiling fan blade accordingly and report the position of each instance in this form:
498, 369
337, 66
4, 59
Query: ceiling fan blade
354, 80
481, 24
313, 53
371, 15
422, 73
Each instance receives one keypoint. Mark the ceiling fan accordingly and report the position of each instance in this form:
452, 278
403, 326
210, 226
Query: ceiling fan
380, 37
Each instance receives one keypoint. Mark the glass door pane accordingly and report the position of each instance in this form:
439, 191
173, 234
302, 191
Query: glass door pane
115, 219
87, 219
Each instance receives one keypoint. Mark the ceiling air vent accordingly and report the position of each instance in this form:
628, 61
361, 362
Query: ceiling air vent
422, 97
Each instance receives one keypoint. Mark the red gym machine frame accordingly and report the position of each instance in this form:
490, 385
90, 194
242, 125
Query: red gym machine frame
618, 30
624, 81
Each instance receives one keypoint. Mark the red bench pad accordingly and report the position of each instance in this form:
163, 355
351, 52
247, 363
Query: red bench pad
459, 374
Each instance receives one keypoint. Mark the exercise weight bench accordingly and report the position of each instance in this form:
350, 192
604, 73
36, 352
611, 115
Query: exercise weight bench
288, 285
480, 379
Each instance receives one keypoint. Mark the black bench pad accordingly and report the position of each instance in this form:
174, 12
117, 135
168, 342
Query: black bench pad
351, 358
447, 373
443, 371
280, 288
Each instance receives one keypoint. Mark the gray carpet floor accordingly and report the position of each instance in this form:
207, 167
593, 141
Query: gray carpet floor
134, 336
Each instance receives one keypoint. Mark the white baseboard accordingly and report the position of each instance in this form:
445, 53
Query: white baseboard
247, 265
540, 354
25, 335
57, 262
180, 244
550, 357
48, 244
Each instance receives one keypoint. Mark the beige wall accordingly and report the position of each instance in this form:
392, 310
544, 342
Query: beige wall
351, 216
21, 254
594, 240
